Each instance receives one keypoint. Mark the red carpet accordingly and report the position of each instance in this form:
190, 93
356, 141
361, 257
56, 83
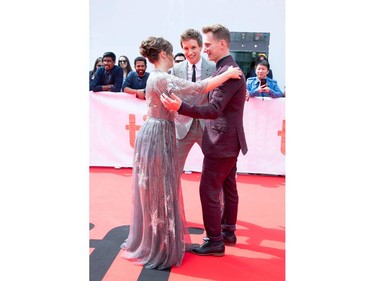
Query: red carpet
258, 255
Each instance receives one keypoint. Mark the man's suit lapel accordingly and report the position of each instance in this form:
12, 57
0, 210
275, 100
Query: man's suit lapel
183, 70
205, 69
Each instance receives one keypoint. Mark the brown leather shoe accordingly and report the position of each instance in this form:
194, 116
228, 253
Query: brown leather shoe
210, 248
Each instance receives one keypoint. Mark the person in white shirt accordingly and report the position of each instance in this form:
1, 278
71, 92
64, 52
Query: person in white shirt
190, 130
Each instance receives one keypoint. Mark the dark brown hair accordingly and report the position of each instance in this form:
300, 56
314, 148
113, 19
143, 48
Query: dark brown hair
191, 34
152, 46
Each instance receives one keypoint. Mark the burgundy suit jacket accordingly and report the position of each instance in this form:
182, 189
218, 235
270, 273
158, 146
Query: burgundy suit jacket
224, 133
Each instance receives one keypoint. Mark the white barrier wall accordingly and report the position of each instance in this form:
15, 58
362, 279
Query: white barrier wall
115, 119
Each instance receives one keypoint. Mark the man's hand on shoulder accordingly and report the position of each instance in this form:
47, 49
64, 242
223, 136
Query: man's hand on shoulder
172, 103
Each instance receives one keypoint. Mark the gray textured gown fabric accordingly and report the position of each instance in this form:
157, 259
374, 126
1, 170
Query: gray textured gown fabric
158, 232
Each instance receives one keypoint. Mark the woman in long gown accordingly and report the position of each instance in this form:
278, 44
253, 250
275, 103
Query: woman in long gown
158, 235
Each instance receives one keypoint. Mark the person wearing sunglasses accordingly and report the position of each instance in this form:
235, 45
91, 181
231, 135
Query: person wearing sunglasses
123, 62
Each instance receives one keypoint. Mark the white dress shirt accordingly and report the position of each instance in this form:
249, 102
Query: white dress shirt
198, 70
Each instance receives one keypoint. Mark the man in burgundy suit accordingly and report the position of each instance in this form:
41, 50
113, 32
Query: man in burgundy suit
223, 138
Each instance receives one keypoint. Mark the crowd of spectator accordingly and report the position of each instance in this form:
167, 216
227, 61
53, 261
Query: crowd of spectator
106, 76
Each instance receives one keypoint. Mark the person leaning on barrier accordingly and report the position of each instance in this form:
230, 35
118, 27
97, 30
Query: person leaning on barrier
109, 77
255, 86
98, 63
124, 63
135, 82
261, 56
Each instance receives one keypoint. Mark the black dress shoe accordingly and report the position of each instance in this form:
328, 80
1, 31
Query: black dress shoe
210, 248
190, 246
229, 238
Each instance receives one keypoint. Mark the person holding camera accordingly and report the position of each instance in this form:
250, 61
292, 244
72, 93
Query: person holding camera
261, 85
261, 56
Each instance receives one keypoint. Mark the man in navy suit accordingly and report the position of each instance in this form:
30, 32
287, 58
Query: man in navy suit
222, 141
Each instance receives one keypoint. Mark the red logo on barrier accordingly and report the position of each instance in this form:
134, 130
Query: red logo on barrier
282, 134
132, 127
